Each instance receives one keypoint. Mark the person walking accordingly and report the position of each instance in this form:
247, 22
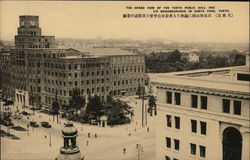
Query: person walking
124, 150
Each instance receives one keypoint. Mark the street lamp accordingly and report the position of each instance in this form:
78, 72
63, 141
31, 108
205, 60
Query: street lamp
139, 150
50, 138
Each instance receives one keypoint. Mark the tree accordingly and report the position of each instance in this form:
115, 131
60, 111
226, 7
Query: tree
32, 100
94, 108
55, 107
77, 101
117, 111
140, 91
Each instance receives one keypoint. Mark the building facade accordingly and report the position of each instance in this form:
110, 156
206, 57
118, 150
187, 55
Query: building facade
202, 115
39, 69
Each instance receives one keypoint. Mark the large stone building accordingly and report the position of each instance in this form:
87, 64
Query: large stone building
203, 114
38, 68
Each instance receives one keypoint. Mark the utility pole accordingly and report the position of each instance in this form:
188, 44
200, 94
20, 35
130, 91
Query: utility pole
146, 113
142, 109
139, 151
49, 138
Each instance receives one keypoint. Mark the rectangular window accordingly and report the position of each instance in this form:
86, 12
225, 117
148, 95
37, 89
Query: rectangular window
169, 97
203, 102
167, 158
194, 100
226, 105
169, 120
202, 151
168, 142
237, 107
176, 144
193, 148
177, 98
177, 122
203, 128
194, 126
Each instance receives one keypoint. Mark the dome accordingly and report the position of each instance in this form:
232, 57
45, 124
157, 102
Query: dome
69, 130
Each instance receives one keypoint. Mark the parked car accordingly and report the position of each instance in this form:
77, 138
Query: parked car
6, 123
45, 124
26, 113
34, 124
8, 102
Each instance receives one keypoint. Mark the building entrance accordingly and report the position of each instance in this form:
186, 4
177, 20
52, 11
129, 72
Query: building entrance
232, 144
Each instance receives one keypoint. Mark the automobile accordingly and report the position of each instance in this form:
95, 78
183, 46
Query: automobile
34, 124
45, 124
25, 113
6, 123
8, 102
93, 122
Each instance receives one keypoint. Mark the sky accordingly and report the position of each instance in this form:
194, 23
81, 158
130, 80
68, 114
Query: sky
89, 19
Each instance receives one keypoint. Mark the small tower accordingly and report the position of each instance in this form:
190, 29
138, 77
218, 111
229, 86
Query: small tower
69, 151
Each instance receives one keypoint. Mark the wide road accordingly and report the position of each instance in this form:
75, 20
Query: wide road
35, 143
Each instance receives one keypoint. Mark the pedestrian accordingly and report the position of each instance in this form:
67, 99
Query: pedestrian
89, 135
124, 150
45, 136
95, 135
148, 129
137, 145
87, 143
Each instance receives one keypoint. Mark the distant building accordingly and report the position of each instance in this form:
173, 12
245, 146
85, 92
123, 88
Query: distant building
37, 68
203, 114
190, 56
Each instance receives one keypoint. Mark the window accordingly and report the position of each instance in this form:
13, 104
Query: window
203, 128
168, 142
194, 126
237, 107
194, 99
167, 158
202, 151
176, 144
177, 98
169, 120
203, 102
226, 105
177, 122
75, 83
193, 148
169, 97
75, 75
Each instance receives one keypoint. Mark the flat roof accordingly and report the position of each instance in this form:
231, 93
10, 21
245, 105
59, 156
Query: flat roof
103, 51
218, 82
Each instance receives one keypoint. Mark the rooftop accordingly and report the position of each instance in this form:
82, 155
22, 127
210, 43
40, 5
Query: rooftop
97, 52
219, 79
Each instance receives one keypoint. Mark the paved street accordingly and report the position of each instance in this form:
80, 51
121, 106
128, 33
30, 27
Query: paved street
108, 145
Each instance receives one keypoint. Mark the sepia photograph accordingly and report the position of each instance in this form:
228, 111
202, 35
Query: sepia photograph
124, 80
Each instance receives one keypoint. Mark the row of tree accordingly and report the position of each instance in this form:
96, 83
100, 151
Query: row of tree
117, 112
174, 61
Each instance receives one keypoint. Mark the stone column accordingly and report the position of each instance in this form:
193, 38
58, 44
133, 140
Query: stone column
245, 145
